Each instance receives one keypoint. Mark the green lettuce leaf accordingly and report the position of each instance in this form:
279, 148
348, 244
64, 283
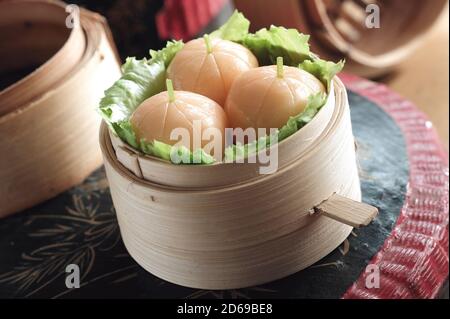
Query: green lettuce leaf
166, 152
268, 44
235, 29
140, 80
323, 70
124, 130
166, 54
156, 148
238, 151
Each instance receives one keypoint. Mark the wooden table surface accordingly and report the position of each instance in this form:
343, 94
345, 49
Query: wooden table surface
424, 77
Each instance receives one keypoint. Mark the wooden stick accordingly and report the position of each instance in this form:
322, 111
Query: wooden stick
347, 211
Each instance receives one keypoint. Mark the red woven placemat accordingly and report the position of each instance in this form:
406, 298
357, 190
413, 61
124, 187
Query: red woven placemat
414, 260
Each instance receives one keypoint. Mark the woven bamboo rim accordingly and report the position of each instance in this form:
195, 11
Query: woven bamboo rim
241, 234
41, 18
43, 137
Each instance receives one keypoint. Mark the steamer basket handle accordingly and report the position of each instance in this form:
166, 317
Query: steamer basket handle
347, 211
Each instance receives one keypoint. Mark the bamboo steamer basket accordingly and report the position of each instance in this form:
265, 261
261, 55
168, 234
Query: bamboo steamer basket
47, 118
338, 28
247, 230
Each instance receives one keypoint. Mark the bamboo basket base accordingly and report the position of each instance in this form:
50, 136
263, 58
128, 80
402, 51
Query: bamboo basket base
244, 266
290, 255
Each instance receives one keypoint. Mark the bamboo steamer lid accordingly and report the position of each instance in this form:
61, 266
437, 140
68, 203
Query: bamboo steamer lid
338, 28
246, 233
47, 119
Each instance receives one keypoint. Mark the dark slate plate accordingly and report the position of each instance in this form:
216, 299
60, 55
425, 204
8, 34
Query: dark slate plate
80, 227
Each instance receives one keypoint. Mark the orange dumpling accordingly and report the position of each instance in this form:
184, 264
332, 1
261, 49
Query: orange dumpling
158, 116
209, 67
266, 97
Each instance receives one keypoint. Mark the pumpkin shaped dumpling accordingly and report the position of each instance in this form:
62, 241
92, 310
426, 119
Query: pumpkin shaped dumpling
266, 97
158, 116
209, 67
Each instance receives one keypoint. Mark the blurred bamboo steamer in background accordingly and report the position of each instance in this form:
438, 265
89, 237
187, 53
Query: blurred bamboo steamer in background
338, 28
54, 72
222, 232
